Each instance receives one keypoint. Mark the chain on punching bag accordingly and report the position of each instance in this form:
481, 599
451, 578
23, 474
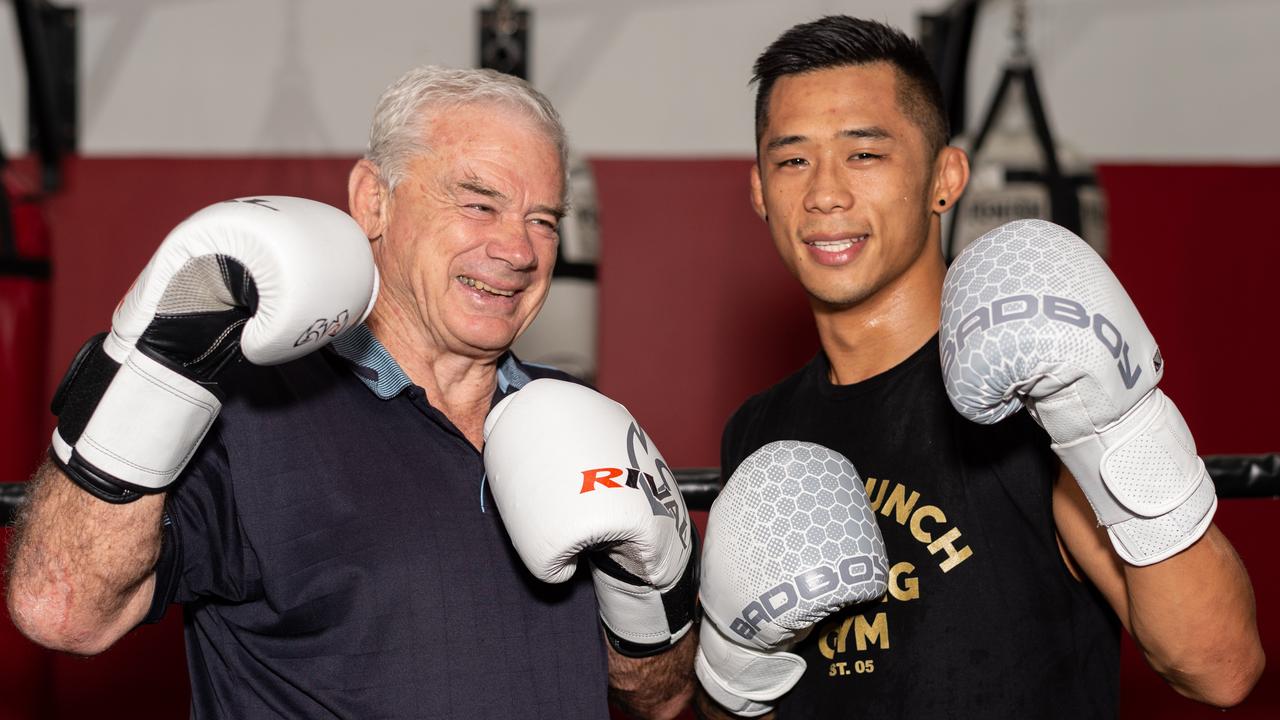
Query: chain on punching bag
1018, 170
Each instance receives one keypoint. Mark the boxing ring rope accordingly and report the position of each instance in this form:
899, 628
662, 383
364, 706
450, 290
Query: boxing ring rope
1236, 476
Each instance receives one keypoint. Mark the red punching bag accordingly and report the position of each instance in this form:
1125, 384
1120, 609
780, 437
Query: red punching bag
25, 669
24, 340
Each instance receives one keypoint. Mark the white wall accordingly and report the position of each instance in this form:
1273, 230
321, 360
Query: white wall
1158, 80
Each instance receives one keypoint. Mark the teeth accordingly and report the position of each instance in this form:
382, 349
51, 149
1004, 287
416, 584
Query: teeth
834, 245
472, 282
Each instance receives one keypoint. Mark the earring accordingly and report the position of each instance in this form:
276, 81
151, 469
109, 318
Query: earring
942, 201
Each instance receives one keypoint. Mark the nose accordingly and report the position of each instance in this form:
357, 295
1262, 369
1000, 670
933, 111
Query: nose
512, 245
828, 192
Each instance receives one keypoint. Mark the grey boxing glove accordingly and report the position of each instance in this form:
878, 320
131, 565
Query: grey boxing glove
1032, 316
790, 540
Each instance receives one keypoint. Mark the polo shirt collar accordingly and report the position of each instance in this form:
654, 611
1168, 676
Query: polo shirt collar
375, 367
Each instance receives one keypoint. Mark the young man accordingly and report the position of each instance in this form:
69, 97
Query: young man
1004, 595
333, 541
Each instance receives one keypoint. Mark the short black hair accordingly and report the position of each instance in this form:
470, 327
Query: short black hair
840, 41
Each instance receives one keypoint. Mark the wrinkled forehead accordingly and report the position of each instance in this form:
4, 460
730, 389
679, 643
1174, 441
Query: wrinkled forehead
496, 128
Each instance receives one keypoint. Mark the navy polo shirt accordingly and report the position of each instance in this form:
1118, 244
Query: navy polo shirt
338, 555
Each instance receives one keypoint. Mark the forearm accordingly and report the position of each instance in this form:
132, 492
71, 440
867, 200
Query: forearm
1192, 615
80, 570
655, 687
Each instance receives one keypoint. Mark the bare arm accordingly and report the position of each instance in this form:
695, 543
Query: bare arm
1192, 615
81, 570
657, 687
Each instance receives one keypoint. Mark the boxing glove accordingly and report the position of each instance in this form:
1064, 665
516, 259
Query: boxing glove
790, 540
267, 278
1031, 315
573, 474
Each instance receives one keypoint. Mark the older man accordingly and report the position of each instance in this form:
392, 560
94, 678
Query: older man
332, 539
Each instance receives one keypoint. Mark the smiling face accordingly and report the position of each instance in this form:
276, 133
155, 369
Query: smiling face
847, 185
467, 241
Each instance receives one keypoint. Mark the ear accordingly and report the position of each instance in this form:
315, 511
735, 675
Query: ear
757, 192
367, 198
951, 175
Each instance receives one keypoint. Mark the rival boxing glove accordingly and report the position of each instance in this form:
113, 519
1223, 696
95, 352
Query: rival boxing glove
1031, 314
790, 540
270, 278
573, 473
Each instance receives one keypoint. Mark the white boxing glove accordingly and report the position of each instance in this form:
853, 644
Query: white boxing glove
790, 540
270, 278
1031, 314
572, 474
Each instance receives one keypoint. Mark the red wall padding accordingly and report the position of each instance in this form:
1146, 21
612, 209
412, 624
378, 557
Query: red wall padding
1199, 253
24, 340
696, 313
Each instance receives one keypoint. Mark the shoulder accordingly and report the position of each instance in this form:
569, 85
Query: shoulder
747, 427
781, 395
262, 401
1016, 450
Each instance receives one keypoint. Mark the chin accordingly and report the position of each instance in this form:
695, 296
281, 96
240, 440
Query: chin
487, 338
839, 297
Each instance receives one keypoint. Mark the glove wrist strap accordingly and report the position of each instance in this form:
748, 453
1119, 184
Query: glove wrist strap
127, 428
641, 620
744, 680
1144, 480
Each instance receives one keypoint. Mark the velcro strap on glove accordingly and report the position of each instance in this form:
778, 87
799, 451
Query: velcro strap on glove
639, 619
1145, 541
140, 432
744, 680
1142, 474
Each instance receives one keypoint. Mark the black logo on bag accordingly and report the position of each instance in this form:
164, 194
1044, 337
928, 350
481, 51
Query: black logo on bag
322, 327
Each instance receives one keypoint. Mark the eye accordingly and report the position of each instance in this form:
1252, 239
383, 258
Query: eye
551, 225
793, 162
865, 156
480, 207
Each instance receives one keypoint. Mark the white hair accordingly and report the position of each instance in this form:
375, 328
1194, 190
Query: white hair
408, 104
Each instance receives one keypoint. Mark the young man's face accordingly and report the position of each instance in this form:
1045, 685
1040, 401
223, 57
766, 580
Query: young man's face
470, 239
845, 182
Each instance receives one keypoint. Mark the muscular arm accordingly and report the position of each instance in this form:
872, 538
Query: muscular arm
1192, 615
81, 570
657, 687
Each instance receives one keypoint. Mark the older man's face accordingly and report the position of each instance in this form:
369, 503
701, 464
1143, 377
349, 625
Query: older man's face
471, 230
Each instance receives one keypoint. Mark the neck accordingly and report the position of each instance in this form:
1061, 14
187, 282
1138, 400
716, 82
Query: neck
878, 333
457, 385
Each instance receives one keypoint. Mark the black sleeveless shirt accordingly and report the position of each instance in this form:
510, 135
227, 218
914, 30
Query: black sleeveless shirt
982, 618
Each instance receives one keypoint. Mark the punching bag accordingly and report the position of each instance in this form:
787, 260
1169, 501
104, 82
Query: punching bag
1018, 170
24, 324
564, 333
25, 669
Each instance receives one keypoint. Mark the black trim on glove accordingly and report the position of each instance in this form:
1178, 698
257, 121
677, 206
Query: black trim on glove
680, 602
